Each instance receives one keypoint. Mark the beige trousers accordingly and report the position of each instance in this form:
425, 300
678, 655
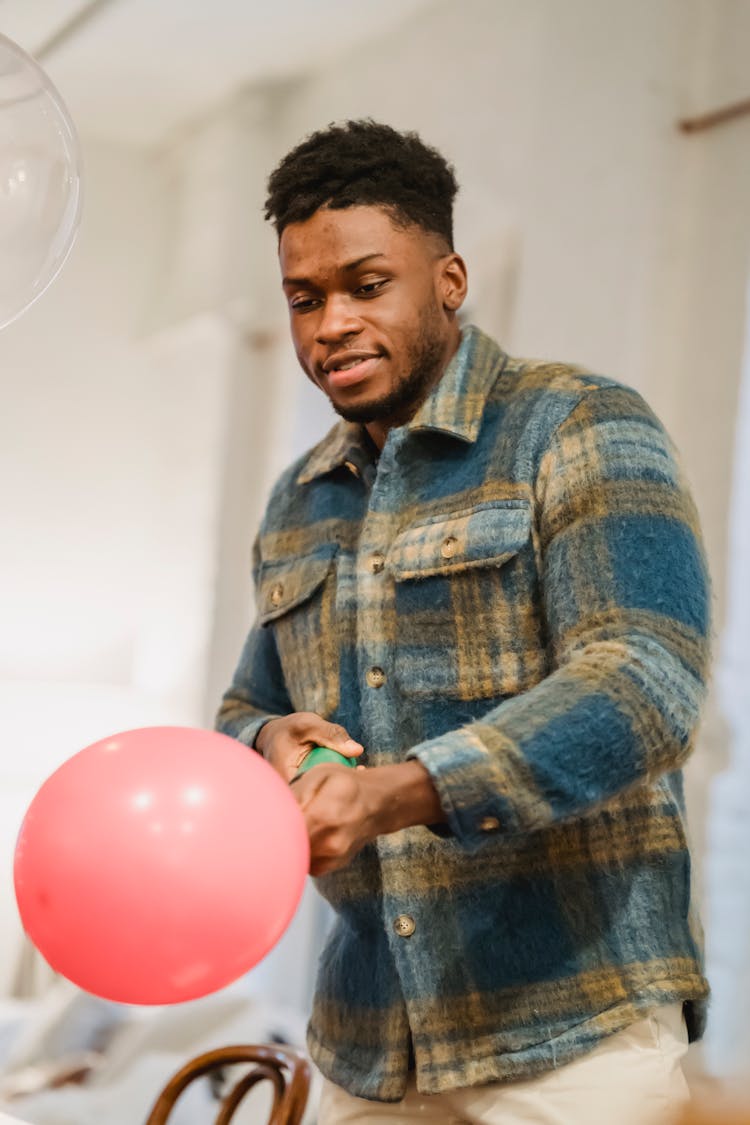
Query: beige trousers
632, 1078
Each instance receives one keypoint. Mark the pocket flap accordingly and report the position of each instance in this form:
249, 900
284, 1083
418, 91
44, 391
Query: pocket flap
284, 584
486, 536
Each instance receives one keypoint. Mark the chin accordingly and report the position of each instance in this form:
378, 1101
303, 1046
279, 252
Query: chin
354, 411
359, 403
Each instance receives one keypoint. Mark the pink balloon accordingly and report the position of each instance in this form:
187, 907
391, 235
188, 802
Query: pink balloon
160, 864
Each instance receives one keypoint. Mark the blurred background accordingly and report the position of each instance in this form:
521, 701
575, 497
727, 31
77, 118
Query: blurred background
151, 396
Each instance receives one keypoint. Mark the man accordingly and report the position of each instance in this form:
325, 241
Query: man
486, 585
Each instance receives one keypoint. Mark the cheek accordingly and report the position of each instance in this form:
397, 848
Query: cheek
404, 340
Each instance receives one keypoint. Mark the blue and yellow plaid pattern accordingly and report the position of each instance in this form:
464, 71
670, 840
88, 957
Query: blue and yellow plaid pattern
516, 595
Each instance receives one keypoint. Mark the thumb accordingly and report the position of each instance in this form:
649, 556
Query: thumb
335, 737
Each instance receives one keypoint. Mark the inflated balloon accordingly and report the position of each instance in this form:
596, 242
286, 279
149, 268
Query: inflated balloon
40, 186
160, 864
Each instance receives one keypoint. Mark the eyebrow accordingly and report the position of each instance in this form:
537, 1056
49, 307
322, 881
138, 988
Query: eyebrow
345, 269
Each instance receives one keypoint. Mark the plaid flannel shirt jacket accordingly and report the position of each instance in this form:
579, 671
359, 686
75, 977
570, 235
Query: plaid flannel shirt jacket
516, 595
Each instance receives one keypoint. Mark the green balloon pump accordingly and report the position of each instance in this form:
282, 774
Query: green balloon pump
320, 755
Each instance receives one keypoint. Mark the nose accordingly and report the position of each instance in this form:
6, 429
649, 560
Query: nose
338, 321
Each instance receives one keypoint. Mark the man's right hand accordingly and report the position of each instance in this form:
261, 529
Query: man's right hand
285, 742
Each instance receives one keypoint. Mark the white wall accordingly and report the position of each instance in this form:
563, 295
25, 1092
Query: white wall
75, 464
727, 872
111, 457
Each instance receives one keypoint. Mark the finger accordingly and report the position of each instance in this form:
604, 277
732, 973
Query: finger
285, 758
300, 753
336, 737
314, 730
326, 863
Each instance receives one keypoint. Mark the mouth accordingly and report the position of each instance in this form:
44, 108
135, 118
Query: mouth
348, 369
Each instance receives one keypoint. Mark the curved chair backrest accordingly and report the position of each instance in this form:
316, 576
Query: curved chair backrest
286, 1069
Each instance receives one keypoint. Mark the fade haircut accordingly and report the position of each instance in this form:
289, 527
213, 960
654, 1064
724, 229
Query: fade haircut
364, 163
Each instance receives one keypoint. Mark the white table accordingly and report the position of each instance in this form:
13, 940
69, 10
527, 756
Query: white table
5, 1120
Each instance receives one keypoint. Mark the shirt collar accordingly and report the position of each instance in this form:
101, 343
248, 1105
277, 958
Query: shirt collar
454, 406
344, 443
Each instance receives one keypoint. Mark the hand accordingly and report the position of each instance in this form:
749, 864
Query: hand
285, 742
345, 809
339, 817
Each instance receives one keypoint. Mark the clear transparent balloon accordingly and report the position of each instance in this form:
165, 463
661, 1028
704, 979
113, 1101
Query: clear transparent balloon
40, 184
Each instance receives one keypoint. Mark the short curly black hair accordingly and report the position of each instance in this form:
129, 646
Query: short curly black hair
364, 162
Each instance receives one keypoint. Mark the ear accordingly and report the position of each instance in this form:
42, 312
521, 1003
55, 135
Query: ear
452, 282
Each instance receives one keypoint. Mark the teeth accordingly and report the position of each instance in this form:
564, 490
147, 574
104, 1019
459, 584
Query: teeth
348, 366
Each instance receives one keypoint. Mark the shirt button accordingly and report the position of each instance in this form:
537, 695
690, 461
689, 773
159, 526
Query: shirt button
404, 925
277, 593
489, 824
377, 562
375, 677
448, 547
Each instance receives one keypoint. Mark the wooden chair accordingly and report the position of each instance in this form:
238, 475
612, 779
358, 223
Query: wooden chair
286, 1069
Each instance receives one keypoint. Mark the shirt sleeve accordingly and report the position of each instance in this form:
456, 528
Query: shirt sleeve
627, 607
257, 692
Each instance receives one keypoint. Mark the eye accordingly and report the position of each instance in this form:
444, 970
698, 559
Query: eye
303, 304
370, 288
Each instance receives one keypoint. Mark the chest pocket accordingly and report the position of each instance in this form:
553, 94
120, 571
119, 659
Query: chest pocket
467, 604
296, 598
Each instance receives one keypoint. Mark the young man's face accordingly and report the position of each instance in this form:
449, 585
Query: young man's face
372, 308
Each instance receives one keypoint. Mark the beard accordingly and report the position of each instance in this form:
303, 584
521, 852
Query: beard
424, 362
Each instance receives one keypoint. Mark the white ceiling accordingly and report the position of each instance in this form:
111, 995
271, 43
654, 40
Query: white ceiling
132, 71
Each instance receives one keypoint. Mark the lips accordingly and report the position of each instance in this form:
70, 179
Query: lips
348, 368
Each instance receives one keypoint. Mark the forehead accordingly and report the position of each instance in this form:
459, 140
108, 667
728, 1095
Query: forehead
330, 240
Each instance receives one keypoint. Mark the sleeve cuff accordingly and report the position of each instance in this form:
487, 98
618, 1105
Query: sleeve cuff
469, 786
251, 730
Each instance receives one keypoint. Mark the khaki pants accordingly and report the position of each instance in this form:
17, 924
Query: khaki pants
632, 1078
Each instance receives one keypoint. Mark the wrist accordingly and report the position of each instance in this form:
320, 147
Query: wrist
400, 796
261, 738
